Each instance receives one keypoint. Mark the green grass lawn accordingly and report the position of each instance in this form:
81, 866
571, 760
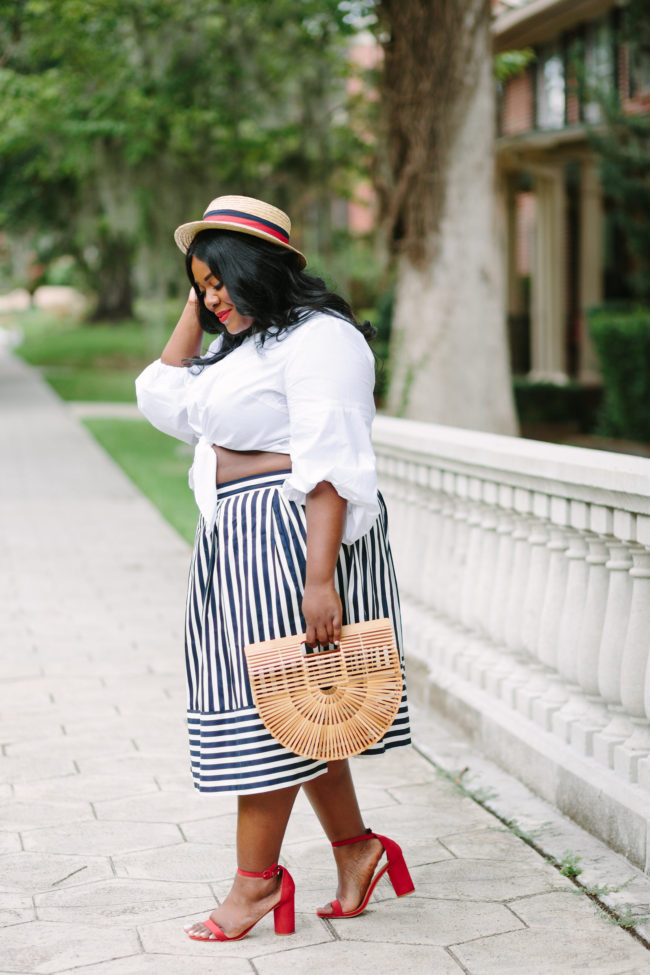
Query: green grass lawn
156, 464
94, 362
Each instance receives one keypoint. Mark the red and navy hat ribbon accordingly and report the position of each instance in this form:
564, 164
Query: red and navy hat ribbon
248, 220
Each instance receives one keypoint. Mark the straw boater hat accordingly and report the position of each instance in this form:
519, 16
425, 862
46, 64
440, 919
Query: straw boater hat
245, 215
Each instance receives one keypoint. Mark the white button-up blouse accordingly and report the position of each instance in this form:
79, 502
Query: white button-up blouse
307, 393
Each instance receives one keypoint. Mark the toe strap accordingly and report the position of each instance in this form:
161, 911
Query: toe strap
337, 910
215, 929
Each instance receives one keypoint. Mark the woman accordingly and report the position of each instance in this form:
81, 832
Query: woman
291, 535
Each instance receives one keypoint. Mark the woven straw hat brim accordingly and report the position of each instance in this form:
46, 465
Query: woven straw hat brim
245, 213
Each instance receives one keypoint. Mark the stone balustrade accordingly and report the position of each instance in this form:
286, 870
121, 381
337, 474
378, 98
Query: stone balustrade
524, 569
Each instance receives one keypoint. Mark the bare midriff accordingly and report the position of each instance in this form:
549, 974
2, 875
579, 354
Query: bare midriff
235, 464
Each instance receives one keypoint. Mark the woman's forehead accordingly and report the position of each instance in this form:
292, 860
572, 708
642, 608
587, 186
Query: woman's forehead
201, 270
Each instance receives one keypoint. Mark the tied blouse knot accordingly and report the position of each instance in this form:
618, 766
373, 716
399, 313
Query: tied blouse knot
307, 392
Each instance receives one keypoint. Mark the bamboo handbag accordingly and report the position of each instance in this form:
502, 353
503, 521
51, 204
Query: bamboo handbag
328, 702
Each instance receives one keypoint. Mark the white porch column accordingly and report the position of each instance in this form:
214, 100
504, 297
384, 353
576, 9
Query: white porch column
548, 357
591, 264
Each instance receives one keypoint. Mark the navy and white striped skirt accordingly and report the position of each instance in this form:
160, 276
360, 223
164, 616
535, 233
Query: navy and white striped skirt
246, 584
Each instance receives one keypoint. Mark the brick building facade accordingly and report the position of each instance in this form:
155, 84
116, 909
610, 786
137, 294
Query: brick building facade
561, 251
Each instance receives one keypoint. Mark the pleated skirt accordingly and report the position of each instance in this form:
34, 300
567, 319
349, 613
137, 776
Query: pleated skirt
246, 584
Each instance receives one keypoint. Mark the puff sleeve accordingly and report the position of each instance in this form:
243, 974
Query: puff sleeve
329, 379
161, 392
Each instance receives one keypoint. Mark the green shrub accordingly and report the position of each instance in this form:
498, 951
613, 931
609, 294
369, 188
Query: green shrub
569, 404
622, 341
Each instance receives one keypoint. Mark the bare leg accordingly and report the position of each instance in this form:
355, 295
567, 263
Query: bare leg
334, 801
261, 823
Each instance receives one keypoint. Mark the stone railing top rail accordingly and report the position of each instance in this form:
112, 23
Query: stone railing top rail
577, 474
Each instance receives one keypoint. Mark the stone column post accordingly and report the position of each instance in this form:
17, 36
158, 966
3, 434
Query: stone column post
548, 358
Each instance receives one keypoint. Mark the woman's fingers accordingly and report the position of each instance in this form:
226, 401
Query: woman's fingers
336, 628
322, 635
321, 607
323, 632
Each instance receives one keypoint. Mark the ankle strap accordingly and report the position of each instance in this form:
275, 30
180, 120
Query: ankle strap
272, 871
355, 839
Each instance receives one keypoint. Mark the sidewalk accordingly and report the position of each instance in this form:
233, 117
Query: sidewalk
107, 850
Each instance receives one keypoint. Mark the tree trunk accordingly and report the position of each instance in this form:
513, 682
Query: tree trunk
113, 281
449, 355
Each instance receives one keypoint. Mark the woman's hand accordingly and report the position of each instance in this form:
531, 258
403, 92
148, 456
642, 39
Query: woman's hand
321, 608
187, 338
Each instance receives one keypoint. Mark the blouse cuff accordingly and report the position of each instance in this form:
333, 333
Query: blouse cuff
358, 488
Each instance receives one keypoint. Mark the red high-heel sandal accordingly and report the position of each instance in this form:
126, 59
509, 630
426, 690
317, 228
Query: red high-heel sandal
398, 874
283, 913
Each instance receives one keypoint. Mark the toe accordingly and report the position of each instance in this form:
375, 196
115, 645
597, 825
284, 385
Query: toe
199, 931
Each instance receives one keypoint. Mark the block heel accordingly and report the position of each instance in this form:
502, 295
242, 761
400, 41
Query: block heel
284, 915
395, 866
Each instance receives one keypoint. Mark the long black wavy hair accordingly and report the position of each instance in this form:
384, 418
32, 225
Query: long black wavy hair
265, 283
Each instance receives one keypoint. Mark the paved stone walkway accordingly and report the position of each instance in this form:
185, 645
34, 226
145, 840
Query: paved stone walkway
107, 850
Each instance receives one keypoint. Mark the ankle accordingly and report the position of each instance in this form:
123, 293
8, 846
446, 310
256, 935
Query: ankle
273, 871
353, 853
254, 888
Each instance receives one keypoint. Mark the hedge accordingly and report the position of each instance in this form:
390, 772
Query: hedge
622, 341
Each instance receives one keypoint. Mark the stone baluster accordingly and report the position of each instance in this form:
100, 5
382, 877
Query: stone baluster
434, 628
390, 488
571, 619
471, 570
617, 615
479, 581
536, 682
502, 663
518, 673
520, 563
594, 715
459, 636
438, 563
457, 548
447, 540
556, 694
643, 536
486, 582
467, 648
503, 572
454, 513
558, 569
418, 533
538, 571
633, 670
486, 657
408, 529
404, 512
431, 538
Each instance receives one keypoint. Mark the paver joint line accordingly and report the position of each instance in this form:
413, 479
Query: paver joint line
530, 841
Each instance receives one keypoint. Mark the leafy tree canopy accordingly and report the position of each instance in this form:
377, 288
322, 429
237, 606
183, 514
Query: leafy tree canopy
121, 118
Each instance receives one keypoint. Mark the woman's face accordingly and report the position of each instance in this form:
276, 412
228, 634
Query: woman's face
216, 298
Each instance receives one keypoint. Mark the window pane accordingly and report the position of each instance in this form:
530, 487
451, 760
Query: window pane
599, 68
551, 90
